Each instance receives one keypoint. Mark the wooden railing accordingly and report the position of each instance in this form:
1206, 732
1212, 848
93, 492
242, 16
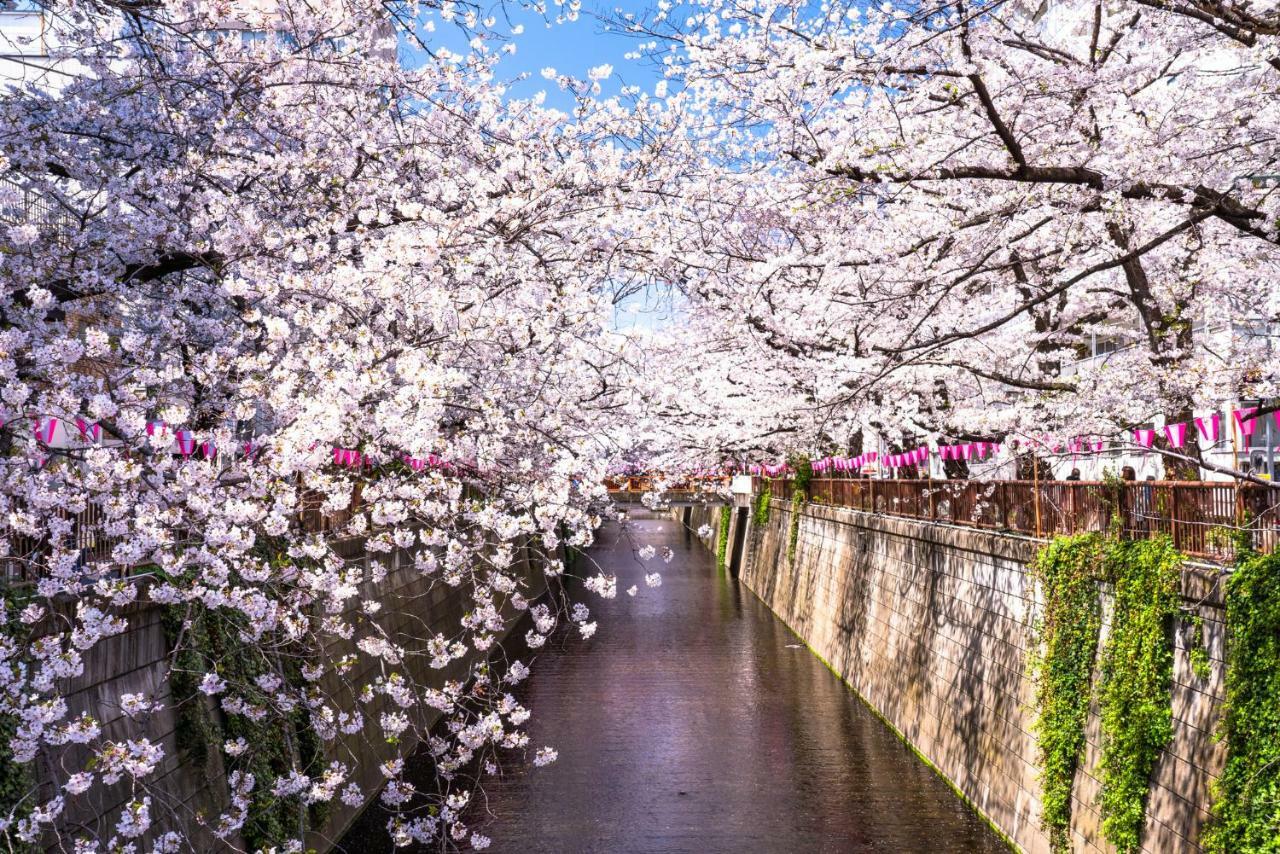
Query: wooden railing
1201, 517
87, 538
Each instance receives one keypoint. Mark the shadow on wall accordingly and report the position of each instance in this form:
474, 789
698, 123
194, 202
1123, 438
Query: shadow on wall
930, 625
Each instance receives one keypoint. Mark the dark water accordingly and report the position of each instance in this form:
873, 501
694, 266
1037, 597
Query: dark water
694, 721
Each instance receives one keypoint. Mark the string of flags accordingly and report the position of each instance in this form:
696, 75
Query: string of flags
1208, 427
46, 430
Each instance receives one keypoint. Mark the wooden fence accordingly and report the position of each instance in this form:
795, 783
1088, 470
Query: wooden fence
1201, 517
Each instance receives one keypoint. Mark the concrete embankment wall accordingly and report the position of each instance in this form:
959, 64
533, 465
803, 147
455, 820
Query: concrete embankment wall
193, 794
931, 625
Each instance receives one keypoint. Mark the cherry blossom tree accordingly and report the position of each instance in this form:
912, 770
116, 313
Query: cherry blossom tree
920, 214
292, 293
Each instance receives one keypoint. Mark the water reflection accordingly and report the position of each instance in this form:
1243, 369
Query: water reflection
694, 721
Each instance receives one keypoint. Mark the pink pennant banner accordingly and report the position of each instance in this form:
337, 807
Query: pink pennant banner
208, 450
1176, 434
44, 430
88, 432
346, 457
156, 427
1145, 438
1244, 420
186, 442
1210, 428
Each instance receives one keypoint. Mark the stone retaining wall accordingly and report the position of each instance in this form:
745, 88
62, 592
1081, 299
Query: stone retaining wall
137, 660
930, 625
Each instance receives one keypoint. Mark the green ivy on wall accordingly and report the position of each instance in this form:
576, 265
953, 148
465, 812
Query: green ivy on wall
1197, 650
1246, 811
722, 545
760, 512
800, 492
793, 527
1135, 689
207, 639
16, 785
1067, 640
197, 731
17, 780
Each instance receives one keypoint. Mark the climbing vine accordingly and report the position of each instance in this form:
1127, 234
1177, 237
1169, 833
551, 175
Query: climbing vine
206, 639
1197, 650
1246, 812
197, 731
799, 492
760, 512
722, 546
16, 778
1134, 693
1067, 640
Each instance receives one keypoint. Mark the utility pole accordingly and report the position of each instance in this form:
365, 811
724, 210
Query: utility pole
1271, 450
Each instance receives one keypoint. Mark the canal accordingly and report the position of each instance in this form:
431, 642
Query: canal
695, 721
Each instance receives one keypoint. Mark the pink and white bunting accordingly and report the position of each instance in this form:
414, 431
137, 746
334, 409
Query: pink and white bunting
1210, 428
44, 430
89, 432
1245, 422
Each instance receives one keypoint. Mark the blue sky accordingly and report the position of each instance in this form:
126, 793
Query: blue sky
571, 48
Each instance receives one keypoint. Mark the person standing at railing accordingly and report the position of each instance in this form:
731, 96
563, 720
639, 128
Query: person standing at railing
1075, 475
1143, 506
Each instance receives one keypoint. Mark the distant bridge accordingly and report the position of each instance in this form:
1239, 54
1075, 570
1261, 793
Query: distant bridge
686, 493
671, 498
